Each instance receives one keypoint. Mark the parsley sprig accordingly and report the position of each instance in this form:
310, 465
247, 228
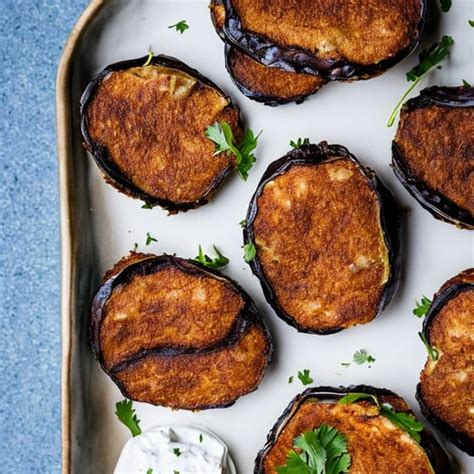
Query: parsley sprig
360, 357
181, 26
422, 307
321, 451
221, 134
216, 263
299, 143
126, 414
433, 351
405, 421
305, 377
429, 58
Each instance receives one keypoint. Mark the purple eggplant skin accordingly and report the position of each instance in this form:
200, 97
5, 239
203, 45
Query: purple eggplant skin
149, 264
390, 217
437, 455
452, 289
297, 59
438, 205
101, 155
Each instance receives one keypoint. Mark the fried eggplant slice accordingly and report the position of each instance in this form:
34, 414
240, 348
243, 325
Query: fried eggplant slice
326, 234
173, 333
433, 152
446, 388
375, 444
145, 127
272, 86
339, 39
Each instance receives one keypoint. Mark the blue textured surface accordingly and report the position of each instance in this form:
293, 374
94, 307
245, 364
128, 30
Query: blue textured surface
32, 37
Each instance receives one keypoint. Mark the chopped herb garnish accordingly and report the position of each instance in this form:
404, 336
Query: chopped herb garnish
147, 206
299, 143
175, 472
471, 22
243, 223
150, 471
422, 307
322, 451
429, 58
465, 83
305, 377
290, 379
148, 59
250, 252
360, 357
200, 438
433, 352
221, 134
405, 421
219, 262
150, 239
181, 26
135, 247
126, 414
445, 5
177, 452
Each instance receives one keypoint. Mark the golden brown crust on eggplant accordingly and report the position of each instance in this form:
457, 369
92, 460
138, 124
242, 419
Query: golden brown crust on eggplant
376, 445
362, 32
447, 385
195, 382
167, 308
218, 15
166, 329
152, 122
437, 145
269, 82
321, 246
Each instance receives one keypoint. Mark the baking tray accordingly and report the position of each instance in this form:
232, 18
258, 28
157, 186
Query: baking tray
99, 226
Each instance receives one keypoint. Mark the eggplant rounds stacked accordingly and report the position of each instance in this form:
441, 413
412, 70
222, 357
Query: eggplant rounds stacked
375, 444
329, 39
326, 234
433, 152
272, 86
145, 126
446, 388
170, 332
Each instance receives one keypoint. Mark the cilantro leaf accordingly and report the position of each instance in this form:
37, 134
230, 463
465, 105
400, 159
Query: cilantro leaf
181, 26
362, 356
126, 414
305, 377
321, 451
150, 239
405, 421
433, 352
299, 143
445, 5
221, 134
148, 59
250, 252
219, 262
422, 307
428, 59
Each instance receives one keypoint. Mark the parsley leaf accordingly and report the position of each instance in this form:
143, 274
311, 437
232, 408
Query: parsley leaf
433, 352
200, 438
219, 262
181, 26
465, 83
148, 59
422, 307
362, 356
177, 452
471, 22
150, 239
290, 379
126, 414
150, 471
445, 5
305, 377
250, 252
221, 134
243, 223
321, 451
429, 58
135, 247
148, 206
405, 421
299, 143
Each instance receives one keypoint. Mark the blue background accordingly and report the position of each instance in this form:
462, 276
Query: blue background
33, 34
